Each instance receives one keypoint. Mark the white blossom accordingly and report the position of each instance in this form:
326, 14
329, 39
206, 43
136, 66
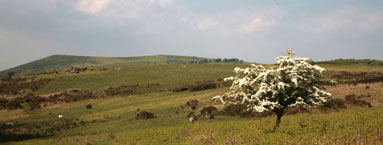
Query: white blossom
293, 83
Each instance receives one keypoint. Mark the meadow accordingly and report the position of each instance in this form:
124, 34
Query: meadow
111, 120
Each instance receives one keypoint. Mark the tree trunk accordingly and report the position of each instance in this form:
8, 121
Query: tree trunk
279, 116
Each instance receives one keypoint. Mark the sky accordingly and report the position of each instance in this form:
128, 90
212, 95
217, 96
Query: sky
251, 30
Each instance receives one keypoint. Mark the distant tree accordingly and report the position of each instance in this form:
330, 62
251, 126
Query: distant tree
233, 60
218, 60
226, 60
293, 83
11, 73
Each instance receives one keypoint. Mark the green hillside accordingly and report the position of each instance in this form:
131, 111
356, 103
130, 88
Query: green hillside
60, 62
111, 119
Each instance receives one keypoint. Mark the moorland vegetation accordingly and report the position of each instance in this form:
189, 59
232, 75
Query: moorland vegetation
141, 104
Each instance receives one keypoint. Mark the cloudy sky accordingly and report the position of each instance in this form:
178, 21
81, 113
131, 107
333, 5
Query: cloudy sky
251, 30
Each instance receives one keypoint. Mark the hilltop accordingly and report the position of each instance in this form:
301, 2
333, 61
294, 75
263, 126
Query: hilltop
371, 62
65, 62
61, 62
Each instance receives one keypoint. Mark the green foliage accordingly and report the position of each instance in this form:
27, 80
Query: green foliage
10, 73
231, 60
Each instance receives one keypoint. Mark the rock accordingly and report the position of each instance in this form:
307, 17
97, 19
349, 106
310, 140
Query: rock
10, 124
191, 119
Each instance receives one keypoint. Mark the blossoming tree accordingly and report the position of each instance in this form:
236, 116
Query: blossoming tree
293, 83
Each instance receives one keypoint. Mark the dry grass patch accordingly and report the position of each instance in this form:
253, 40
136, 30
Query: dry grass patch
369, 92
12, 114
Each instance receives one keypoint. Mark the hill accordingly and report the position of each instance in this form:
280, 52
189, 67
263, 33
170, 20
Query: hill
115, 95
371, 62
60, 62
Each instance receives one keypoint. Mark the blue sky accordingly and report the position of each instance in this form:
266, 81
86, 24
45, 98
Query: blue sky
256, 31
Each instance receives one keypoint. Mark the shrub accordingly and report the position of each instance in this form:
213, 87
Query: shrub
180, 89
144, 115
11, 73
203, 86
121, 90
335, 104
234, 109
71, 96
34, 101
193, 104
89, 106
15, 87
191, 114
3, 101
351, 99
14, 104
208, 110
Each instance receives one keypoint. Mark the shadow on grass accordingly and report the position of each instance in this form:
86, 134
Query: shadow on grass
18, 133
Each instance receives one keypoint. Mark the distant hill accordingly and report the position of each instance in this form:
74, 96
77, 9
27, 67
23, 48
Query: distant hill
371, 62
61, 62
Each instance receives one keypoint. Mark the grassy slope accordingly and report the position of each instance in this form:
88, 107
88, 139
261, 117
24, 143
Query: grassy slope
352, 126
168, 76
347, 126
60, 62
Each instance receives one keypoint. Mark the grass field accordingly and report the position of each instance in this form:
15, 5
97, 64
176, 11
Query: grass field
168, 76
111, 120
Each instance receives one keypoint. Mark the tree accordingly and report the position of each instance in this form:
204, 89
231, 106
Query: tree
293, 83
11, 73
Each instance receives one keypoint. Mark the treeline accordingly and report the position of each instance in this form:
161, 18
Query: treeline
371, 62
218, 60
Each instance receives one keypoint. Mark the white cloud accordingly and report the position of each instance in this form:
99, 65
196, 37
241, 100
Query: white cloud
123, 8
207, 24
262, 20
232, 23
162, 3
255, 25
92, 6
345, 18
158, 14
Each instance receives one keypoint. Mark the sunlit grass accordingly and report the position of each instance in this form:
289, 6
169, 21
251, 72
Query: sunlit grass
353, 126
115, 124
